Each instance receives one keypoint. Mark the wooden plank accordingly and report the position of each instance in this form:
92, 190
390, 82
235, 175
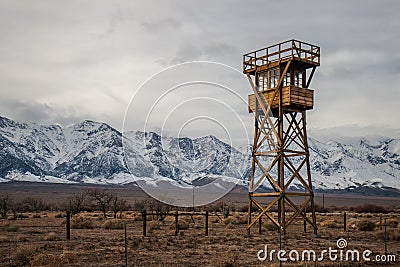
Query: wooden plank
292, 96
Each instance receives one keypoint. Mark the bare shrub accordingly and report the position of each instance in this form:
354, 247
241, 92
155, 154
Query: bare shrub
321, 209
69, 257
138, 217
4, 224
54, 260
369, 208
245, 208
7, 227
215, 220
226, 261
271, 227
21, 238
154, 225
230, 220
23, 255
81, 223
241, 218
4, 238
52, 236
60, 215
330, 224
392, 223
391, 234
45, 260
183, 224
113, 224
224, 207
230, 226
236, 219
365, 225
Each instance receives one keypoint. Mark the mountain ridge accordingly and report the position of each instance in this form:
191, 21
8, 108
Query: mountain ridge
94, 152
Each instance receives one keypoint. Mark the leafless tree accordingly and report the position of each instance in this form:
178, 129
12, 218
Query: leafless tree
118, 204
33, 204
15, 208
5, 202
140, 205
161, 209
77, 203
103, 198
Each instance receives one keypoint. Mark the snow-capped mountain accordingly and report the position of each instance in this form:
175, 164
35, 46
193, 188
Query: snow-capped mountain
373, 161
94, 152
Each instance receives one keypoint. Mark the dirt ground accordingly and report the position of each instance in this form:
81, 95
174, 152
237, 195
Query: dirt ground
42, 241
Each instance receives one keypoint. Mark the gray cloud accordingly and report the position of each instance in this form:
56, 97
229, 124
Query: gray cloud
42, 113
71, 60
190, 51
156, 26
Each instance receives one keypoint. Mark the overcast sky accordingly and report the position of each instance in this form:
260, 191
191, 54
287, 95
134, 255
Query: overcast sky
65, 61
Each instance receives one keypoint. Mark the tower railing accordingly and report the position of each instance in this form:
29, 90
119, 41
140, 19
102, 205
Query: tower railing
288, 50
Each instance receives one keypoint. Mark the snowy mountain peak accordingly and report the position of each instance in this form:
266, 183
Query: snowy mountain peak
90, 151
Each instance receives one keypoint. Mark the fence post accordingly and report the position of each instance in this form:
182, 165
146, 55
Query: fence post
259, 225
144, 216
206, 224
304, 226
126, 246
385, 236
345, 222
68, 225
176, 223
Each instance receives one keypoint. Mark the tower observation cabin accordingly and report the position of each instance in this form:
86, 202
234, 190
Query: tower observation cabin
267, 65
280, 76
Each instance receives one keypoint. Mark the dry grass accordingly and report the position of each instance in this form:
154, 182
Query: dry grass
113, 224
80, 222
236, 219
332, 223
41, 242
391, 234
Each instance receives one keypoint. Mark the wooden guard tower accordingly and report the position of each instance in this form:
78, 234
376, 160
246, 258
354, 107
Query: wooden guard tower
280, 76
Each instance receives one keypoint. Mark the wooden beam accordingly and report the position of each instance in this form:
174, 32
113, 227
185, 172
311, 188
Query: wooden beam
310, 77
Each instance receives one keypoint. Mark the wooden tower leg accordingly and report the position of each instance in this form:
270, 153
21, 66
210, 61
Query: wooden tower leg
249, 213
314, 218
